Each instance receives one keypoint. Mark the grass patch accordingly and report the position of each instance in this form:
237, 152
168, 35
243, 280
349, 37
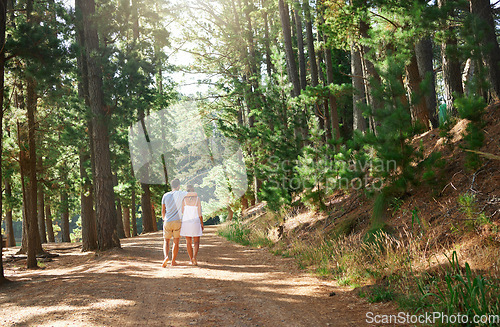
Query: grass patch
462, 291
380, 294
237, 232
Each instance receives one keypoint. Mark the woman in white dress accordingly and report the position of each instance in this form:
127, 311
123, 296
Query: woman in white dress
192, 224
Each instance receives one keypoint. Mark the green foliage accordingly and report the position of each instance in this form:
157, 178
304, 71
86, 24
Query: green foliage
312, 169
236, 232
433, 167
468, 205
380, 294
464, 292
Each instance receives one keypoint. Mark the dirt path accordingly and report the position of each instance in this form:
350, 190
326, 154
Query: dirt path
232, 286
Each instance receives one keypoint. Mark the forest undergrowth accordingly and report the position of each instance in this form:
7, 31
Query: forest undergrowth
438, 248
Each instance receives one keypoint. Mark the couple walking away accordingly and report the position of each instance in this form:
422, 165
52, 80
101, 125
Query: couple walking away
181, 212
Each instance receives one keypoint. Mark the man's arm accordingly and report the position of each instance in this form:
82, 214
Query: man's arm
163, 211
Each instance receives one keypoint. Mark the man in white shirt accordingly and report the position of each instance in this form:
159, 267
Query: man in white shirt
171, 204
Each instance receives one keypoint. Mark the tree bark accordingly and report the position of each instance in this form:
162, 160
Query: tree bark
310, 45
33, 239
313, 65
324, 113
371, 78
65, 232
153, 218
147, 224
104, 194
359, 96
451, 69
48, 224
9, 228
133, 216
89, 224
490, 51
290, 58
40, 207
267, 41
418, 107
334, 120
30, 229
126, 221
300, 46
424, 53
89, 231
119, 219
3, 24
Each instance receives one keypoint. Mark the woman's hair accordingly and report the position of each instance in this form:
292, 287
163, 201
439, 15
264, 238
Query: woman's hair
190, 188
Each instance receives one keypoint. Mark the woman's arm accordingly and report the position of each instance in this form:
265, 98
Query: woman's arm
199, 214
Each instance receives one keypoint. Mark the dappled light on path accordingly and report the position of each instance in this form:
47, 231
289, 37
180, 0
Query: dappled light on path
232, 286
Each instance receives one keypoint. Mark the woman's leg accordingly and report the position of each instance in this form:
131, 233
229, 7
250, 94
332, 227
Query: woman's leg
189, 247
196, 248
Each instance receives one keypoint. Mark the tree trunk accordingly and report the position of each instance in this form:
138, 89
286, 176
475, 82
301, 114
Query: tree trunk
135, 20
40, 208
230, 213
334, 119
267, 42
490, 51
323, 110
302, 68
89, 232
147, 223
65, 232
3, 21
48, 224
28, 166
33, 244
423, 50
300, 46
126, 221
290, 58
244, 203
359, 96
310, 45
451, 70
9, 228
418, 108
89, 224
119, 219
371, 78
104, 194
312, 61
467, 74
153, 218
134, 211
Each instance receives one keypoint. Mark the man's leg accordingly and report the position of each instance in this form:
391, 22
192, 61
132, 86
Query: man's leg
175, 250
189, 245
166, 244
196, 248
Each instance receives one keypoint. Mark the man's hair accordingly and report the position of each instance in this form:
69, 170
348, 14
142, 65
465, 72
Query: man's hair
190, 188
175, 183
